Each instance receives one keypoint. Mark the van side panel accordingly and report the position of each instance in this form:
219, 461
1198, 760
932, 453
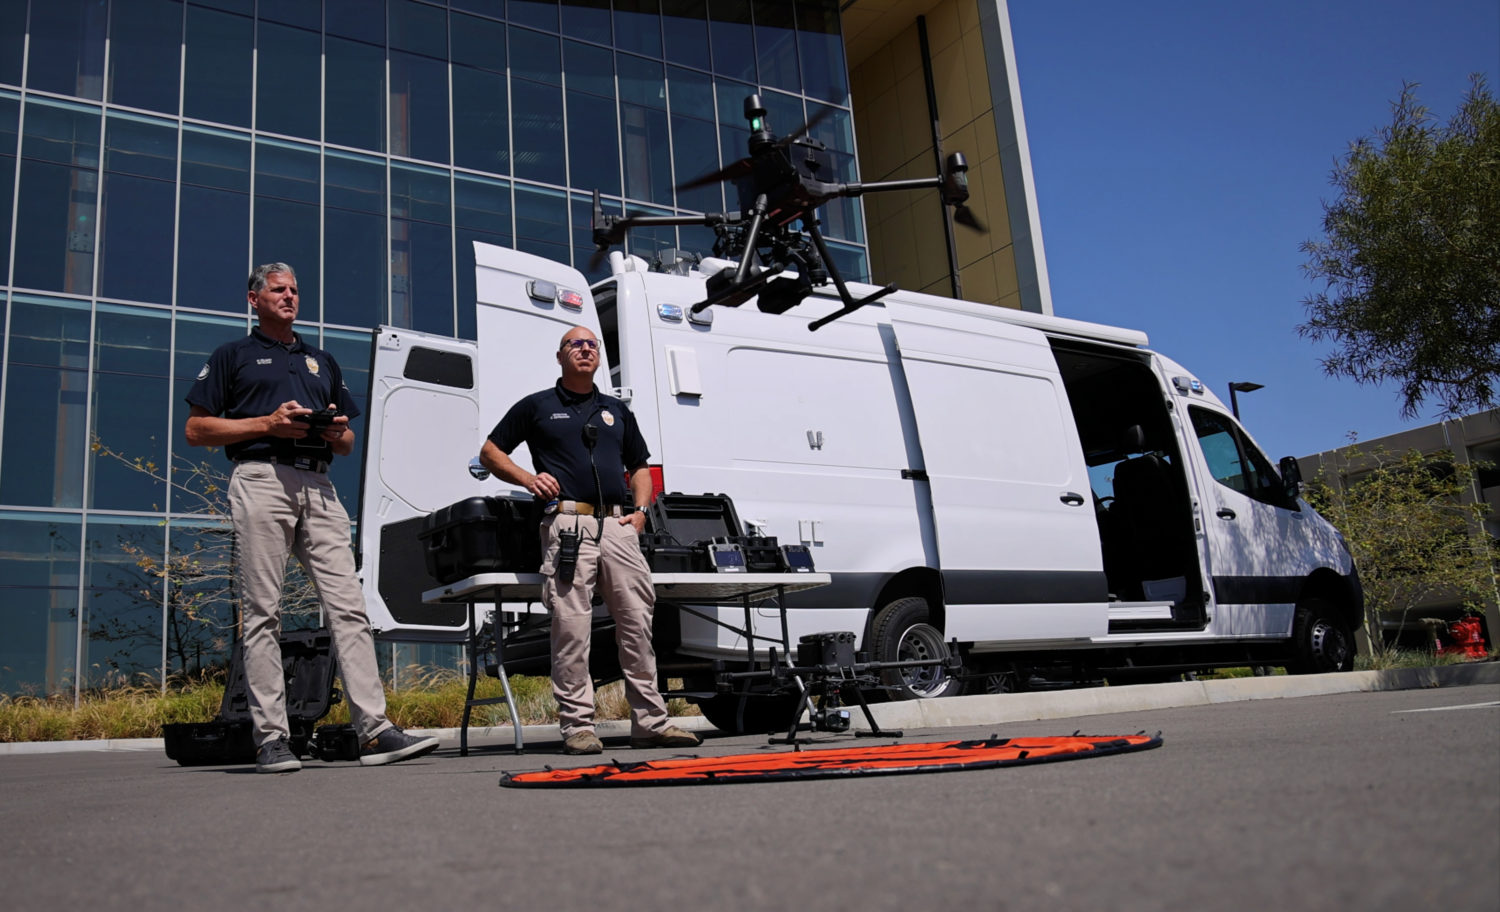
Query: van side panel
1011, 499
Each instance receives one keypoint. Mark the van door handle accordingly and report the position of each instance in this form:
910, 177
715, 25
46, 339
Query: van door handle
1225, 513
1071, 499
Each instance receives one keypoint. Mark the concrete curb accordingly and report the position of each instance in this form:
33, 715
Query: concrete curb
1062, 704
967, 711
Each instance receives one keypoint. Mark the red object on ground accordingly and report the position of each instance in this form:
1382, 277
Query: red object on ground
1468, 638
886, 759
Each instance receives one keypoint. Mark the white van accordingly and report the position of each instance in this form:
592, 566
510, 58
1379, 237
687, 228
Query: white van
1048, 494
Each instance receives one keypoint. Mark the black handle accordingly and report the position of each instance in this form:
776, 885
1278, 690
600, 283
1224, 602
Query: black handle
1071, 499
1225, 513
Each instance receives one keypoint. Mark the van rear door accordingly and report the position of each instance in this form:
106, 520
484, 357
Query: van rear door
1018, 542
423, 426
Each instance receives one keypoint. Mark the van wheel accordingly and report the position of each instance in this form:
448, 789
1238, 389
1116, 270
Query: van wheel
902, 634
762, 713
1321, 640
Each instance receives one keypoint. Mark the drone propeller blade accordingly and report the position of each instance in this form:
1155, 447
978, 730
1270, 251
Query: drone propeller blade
818, 117
966, 217
732, 171
597, 259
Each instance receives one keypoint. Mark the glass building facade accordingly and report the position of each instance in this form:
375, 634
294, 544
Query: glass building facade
152, 151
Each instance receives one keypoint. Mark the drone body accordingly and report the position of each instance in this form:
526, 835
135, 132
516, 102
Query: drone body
781, 181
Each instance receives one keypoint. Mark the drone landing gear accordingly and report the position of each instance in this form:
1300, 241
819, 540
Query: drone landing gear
828, 684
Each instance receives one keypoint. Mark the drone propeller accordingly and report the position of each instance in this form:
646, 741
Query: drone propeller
966, 217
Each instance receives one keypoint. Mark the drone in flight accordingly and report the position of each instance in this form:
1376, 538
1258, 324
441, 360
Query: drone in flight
781, 182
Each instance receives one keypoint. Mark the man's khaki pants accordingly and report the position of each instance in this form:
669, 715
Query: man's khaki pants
279, 509
616, 567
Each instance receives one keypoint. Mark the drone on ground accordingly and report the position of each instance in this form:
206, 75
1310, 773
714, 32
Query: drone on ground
781, 182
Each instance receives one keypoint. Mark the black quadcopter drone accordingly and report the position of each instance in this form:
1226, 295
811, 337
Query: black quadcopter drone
781, 182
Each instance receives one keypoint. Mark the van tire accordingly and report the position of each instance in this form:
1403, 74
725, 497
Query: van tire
901, 632
1321, 640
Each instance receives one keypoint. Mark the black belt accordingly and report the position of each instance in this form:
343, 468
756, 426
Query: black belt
297, 462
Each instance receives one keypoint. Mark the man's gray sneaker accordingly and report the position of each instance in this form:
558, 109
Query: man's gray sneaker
671, 736
394, 745
276, 757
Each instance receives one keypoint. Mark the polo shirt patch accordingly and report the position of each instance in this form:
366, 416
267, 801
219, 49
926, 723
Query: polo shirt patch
203, 373
560, 416
312, 365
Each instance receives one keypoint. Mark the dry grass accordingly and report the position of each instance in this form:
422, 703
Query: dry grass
436, 701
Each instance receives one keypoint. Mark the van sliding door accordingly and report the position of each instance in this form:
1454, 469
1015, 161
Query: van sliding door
1017, 537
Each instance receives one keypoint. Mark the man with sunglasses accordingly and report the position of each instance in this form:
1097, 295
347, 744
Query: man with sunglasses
584, 444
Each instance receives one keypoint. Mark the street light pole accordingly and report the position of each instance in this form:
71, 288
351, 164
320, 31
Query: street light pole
1241, 386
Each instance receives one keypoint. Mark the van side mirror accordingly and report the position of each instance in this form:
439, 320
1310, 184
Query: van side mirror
1291, 478
478, 471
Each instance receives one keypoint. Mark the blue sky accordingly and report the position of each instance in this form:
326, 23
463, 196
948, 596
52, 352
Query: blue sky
1181, 153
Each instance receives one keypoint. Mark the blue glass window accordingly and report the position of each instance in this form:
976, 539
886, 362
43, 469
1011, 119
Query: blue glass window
684, 26
495, 9
59, 188
39, 566
200, 622
145, 38
542, 223
695, 147
195, 470
638, 26
476, 42
122, 603
776, 44
648, 160
729, 32
286, 215
352, 351
593, 143
213, 241
481, 212
67, 47
355, 94
140, 169
354, 288
823, 73
12, 41
353, 19
288, 74
216, 85
421, 250
419, 107
131, 388
590, 69
10, 110
291, 12
538, 124
586, 19
535, 56
540, 14
46, 400
481, 124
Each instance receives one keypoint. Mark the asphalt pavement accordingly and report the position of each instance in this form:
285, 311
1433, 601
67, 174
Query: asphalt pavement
1364, 798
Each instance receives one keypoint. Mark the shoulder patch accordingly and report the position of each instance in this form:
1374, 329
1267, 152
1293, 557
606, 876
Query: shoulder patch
203, 373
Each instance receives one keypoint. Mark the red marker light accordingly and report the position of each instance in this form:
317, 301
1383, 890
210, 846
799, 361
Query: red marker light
571, 299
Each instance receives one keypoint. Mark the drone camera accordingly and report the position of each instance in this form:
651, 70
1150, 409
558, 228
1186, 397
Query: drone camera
784, 293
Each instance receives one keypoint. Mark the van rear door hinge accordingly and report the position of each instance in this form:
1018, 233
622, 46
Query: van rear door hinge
914, 474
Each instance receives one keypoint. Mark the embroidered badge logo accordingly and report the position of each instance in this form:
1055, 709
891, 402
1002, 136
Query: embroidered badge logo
203, 373
312, 365
608, 418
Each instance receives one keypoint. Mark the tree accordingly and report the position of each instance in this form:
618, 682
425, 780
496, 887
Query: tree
1411, 259
194, 582
1413, 538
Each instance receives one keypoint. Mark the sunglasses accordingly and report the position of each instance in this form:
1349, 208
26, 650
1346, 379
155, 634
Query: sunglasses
580, 344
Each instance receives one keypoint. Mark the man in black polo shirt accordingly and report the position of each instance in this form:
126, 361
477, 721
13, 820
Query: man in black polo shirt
583, 443
253, 398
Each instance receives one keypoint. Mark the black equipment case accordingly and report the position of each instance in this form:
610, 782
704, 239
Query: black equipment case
481, 535
308, 662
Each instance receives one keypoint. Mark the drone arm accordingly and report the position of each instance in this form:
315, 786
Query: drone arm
916, 183
758, 212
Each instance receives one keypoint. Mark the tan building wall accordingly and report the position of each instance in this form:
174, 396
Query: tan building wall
968, 46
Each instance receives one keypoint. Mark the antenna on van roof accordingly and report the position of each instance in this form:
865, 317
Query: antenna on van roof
782, 182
